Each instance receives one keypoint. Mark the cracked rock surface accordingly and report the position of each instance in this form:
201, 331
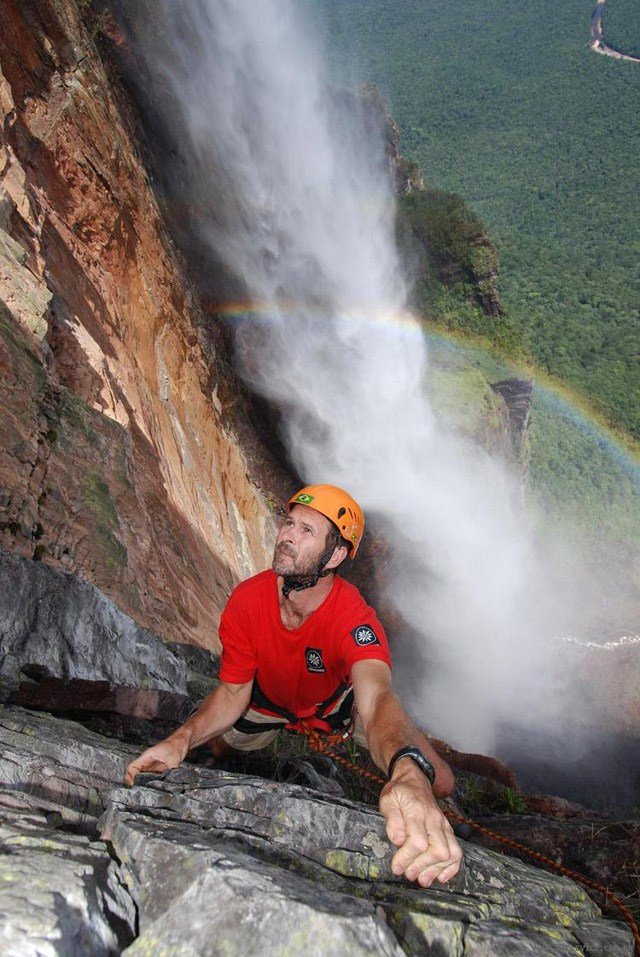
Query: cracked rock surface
206, 862
60, 892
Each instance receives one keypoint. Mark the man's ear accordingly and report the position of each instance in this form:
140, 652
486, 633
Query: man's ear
339, 555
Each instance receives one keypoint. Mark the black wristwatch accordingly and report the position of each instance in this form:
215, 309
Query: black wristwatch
418, 758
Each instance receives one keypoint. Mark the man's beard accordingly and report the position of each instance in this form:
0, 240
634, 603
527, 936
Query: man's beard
284, 563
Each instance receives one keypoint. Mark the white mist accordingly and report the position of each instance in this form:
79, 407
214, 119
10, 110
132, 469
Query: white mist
293, 196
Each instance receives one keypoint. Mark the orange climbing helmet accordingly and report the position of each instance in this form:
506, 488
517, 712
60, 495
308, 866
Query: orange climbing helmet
336, 505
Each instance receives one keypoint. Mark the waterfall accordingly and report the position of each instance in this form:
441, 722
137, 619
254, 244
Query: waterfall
287, 186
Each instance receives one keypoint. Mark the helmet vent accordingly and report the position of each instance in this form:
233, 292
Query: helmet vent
341, 513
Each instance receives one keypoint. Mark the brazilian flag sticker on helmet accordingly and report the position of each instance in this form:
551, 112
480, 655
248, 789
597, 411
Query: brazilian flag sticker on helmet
304, 498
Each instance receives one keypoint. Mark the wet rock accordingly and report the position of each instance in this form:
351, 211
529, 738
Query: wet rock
344, 837
201, 896
309, 774
234, 909
417, 930
202, 668
605, 939
59, 760
496, 939
517, 395
314, 834
137, 715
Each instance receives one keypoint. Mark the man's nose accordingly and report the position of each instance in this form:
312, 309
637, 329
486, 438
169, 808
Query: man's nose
288, 534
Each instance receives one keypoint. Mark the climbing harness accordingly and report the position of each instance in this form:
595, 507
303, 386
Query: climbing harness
327, 744
335, 710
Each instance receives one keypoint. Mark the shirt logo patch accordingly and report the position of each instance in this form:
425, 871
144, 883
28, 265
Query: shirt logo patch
315, 663
365, 635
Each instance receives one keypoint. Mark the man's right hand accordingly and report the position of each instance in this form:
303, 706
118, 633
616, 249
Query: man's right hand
219, 710
164, 756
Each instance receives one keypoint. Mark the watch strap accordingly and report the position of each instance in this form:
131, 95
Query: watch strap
418, 758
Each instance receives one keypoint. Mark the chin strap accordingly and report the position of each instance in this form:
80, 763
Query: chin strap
300, 582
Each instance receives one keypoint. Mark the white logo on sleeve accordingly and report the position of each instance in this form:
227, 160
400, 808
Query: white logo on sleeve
365, 635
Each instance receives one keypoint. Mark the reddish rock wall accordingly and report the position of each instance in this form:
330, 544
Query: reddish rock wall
117, 462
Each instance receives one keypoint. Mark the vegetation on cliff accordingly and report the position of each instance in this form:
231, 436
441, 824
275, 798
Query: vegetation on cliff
455, 267
582, 489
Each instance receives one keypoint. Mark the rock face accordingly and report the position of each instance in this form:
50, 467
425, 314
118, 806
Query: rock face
607, 851
517, 395
60, 892
464, 401
118, 459
206, 862
54, 624
405, 176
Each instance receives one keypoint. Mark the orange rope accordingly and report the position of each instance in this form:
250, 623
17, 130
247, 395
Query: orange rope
327, 743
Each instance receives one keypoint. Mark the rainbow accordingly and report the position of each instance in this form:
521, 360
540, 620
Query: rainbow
242, 310
572, 404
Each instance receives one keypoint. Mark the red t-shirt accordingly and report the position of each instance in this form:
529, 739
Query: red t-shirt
299, 669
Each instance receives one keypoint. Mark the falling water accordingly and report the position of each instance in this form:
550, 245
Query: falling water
288, 187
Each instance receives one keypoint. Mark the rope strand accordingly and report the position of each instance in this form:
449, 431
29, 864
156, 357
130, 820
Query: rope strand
327, 744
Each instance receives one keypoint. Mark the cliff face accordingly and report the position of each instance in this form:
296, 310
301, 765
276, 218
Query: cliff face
516, 394
202, 862
123, 461
118, 459
405, 175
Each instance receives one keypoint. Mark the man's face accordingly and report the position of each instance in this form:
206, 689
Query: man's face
300, 542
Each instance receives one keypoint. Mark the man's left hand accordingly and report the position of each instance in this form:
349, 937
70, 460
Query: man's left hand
428, 849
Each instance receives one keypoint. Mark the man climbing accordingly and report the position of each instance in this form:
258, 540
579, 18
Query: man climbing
301, 648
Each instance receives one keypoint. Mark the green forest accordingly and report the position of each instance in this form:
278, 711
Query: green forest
622, 26
505, 105
454, 269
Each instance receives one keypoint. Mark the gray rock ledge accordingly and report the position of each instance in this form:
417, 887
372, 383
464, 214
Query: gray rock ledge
205, 862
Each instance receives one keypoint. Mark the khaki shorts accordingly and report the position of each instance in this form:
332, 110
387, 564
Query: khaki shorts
243, 739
